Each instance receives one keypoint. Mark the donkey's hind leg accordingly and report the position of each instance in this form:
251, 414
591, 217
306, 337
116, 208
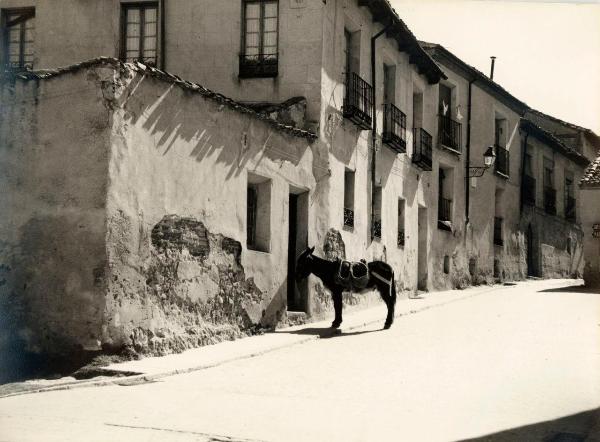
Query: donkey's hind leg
391, 305
337, 306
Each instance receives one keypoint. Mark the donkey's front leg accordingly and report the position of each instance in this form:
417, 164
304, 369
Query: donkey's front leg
337, 306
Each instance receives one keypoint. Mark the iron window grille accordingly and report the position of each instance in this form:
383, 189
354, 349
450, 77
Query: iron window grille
445, 209
376, 229
498, 231
450, 133
348, 217
251, 212
401, 238
18, 26
550, 200
502, 160
139, 33
259, 57
358, 101
422, 153
528, 190
394, 128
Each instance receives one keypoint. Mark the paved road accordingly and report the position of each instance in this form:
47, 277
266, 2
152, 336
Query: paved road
521, 363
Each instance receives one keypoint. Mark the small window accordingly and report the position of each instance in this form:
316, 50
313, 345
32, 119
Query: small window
376, 228
18, 27
259, 56
446, 264
401, 231
258, 214
140, 33
349, 199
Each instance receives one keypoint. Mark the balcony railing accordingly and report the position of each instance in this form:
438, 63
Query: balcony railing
258, 66
401, 238
348, 217
444, 209
570, 212
358, 102
422, 155
550, 200
377, 228
502, 160
449, 133
394, 128
498, 231
528, 189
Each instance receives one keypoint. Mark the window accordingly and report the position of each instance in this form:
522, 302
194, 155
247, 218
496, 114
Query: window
389, 84
259, 39
445, 192
569, 196
502, 153
140, 33
528, 187
401, 232
18, 27
349, 199
351, 50
376, 227
258, 213
549, 190
498, 219
449, 130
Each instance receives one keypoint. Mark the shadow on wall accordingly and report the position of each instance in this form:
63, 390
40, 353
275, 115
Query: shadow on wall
177, 116
572, 428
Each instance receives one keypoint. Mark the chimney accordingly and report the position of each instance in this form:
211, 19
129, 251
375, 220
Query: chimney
492, 71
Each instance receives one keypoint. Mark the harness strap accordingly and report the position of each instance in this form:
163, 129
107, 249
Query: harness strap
381, 278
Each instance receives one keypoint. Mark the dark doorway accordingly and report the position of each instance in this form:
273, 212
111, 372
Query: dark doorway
530, 251
297, 292
422, 250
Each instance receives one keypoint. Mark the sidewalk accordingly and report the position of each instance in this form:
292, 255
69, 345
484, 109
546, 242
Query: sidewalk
152, 368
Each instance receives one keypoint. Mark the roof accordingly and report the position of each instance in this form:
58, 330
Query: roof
585, 130
382, 11
591, 176
163, 76
551, 140
440, 53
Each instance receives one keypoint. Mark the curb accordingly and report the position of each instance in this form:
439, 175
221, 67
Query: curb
147, 378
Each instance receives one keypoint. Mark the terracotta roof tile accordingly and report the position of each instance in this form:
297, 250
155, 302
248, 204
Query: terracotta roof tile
591, 176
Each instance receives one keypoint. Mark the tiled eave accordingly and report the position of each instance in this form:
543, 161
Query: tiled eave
163, 76
550, 140
591, 176
447, 58
382, 12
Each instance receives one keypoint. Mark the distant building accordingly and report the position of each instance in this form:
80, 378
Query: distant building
149, 211
590, 217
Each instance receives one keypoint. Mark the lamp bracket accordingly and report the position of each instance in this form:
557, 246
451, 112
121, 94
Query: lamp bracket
477, 171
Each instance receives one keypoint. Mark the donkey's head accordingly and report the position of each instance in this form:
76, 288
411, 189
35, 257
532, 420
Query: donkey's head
304, 264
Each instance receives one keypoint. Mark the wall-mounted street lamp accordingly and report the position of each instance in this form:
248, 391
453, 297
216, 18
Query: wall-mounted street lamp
489, 157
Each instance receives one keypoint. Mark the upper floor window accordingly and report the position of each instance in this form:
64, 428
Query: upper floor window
18, 27
140, 33
259, 39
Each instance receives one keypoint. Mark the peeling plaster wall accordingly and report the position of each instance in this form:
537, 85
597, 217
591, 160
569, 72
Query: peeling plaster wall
176, 156
54, 143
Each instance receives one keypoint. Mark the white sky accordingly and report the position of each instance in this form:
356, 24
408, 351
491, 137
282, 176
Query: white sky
548, 54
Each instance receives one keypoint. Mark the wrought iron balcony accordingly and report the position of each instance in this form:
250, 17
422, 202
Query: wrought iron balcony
570, 211
422, 155
502, 160
376, 229
450, 133
528, 189
550, 200
259, 66
401, 238
348, 217
498, 231
358, 101
394, 128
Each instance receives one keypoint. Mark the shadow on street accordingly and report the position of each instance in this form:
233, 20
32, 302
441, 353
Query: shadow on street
574, 428
572, 289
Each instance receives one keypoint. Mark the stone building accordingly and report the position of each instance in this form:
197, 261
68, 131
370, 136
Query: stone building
170, 216
590, 217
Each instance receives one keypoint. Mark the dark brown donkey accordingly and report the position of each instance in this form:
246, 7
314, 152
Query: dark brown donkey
381, 277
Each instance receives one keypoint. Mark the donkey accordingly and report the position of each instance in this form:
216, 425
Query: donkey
381, 277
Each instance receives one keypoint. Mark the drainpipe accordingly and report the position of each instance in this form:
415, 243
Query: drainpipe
468, 152
374, 128
163, 36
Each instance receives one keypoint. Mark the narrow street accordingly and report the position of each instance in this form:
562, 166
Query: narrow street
518, 363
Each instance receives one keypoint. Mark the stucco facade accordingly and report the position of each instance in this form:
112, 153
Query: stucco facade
590, 219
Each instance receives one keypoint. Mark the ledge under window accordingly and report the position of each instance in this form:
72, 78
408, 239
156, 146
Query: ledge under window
259, 66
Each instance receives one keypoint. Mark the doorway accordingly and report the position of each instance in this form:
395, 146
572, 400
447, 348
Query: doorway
297, 292
529, 243
422, 250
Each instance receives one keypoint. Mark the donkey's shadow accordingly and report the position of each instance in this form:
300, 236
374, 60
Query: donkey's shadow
325, 332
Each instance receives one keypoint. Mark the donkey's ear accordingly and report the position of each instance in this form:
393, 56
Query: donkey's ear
311, 250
